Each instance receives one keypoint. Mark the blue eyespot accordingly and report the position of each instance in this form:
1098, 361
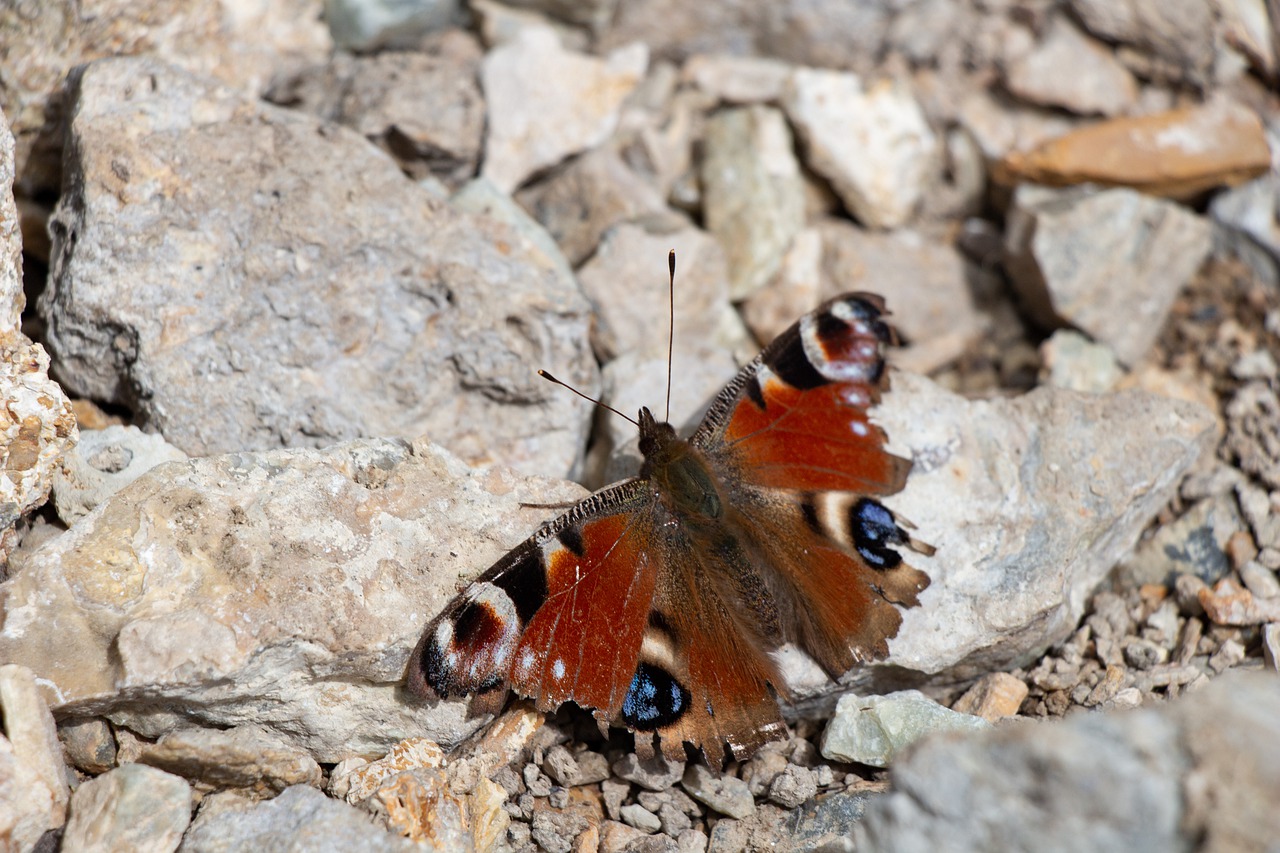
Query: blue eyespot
654, 700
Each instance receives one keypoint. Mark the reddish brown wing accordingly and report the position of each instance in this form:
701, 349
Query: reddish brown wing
791, 440
559, 618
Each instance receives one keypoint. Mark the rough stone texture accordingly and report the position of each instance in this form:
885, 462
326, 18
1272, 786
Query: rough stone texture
723, 793
626, 281
240, 43
281, 589
37, 426
578, 202
424, 107
875, 730
360, 783
89, 744
1030, 502
1177, 33
1110, 263
103, 463
570, 104
752, 193
366, 25
1253, 431
1076, 363
993, 697
1198, 774
33, 781
132, 807
244, 758
1096, 82
873, 145
1178, 153
301, 818
324, 296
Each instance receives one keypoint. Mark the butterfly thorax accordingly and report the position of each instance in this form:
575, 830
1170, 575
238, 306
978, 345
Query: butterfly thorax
678, 471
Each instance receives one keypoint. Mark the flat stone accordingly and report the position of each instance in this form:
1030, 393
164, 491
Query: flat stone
993, 697
133, 807
244, 758
1097, 84
875, 730
752, 192
571, 104
281, 589
301, 818
737, 79
1073, 362
361, 304
103, 463
1178, 153
874, 145
641, 818
1140, 252
1198, 771
723, 793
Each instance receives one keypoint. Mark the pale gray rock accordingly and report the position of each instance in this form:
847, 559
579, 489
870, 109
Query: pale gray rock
281, 589
424, 107
875, 730
1108, 262
37, 426
33, 778
652, 774
1096, 84
89, 744
580, 201
641, 818
1197, 774
752, 192
1009, 492
1074, 362
1253, 431
300, 819
242, 43
923, 280
1176, 34
132, 807
367, 25
572, 103
793, 786
103, 463
720, 792
320, 295
874, 145
737, 79
244, 758
626, 281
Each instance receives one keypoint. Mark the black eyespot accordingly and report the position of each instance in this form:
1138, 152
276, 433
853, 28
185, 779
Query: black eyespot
526, 584
654, 700
873, 530
571, 538
791, 363
754, 392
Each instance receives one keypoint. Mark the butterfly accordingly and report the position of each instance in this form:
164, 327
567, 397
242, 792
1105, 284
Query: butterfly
656, 602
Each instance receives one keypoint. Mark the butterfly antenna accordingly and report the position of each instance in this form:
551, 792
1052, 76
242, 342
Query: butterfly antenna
671, 334
550, 378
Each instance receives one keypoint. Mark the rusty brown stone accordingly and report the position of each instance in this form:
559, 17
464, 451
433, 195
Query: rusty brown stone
1177, 154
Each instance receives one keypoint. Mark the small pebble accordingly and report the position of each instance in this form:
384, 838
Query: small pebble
1260, 580
538, 784
615, 836
673, 820
793, 786
1144, 654
692, 841
1187, 589
1229, 654
558, 798
726, 794
1241, 548
654, 774
614, 794
641, 818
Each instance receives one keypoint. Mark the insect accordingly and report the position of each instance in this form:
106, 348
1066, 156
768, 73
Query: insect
656, 602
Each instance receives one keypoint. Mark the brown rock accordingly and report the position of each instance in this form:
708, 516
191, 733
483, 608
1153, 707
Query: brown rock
1179, 153
1228, 603
993, 697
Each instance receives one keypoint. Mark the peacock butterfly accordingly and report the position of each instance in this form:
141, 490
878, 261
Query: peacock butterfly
656, 602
